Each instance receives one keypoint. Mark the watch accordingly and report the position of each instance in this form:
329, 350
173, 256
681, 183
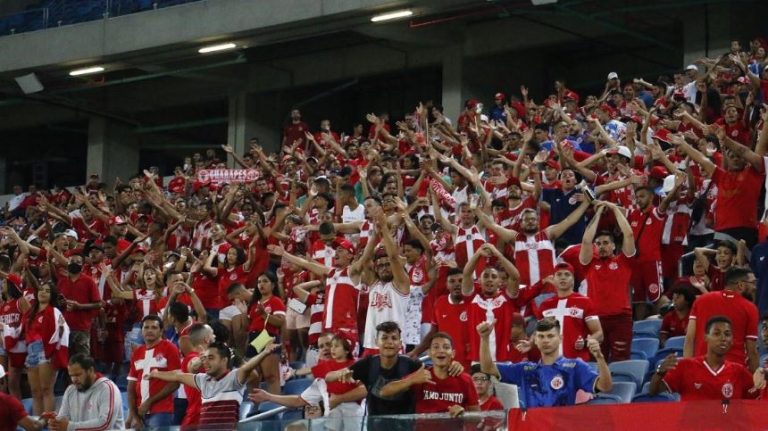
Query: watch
660, 371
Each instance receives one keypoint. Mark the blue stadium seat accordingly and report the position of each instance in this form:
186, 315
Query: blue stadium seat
267, 406
659, 398
763, 359
663, 353
675, 343
646, 346
633, 370
646, 328
293, 414
247, 408
624, 390
603, 399
296, 386
27, 403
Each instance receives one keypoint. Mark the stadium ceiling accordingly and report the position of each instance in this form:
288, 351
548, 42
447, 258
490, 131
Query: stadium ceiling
638, 24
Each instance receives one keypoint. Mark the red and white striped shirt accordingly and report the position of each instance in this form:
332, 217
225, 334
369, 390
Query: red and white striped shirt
466, 243
340, 301
221, 398
534, 257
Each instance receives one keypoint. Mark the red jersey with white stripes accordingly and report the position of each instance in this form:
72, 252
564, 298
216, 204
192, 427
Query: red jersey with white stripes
340, 301
316, 304
534, 257
163, 356
147, 302
573, 312
466, 242
367, 230
322, 253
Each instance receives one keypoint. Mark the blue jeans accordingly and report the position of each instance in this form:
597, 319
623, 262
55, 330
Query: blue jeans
35, 354
157, 420
179, 410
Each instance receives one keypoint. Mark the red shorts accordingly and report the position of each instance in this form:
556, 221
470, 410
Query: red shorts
647, 282
670, 256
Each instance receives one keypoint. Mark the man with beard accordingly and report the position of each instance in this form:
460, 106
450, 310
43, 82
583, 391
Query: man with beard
534, 248
734, 303
607, 280
92, 401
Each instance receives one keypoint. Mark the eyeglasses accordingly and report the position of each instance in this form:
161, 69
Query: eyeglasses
480, 379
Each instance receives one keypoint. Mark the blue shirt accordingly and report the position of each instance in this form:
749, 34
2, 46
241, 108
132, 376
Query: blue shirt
560, 206
549, 385
759, 263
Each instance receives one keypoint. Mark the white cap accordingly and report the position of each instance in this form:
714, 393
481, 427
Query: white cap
692, 67
483, 117
71, 233
669, 184
613, 75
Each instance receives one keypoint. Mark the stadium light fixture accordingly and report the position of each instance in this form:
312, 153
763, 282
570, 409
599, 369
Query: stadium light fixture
216, 48
86, 71
392, 15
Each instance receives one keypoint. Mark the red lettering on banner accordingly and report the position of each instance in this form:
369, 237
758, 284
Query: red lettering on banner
217, 176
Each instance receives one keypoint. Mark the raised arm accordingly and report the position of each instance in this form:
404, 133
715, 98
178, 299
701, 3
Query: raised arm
468, 279
557, 230
695, 155
313, 267
401, 281
585, 253
173, 377
245, 370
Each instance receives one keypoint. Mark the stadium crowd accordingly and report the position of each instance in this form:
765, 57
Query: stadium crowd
535, 235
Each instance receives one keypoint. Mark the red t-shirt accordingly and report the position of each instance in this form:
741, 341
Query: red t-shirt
673, 325
742, 313
273, 305
294, 132
226, 277
695, 380
82, 290
648, 240
11, 412
573, 312
207, 289
492, 403
164, 356
322, 368
194, 399
444, 393
737, 197
451, 318
608, 284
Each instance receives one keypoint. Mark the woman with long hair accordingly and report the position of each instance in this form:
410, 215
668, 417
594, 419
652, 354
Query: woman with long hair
43, 328
266, 312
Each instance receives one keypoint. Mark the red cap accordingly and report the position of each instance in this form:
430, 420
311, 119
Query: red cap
608, 109
658, 172
115, 220
554, 164
564, 266
662, 135
346, 245
501, 96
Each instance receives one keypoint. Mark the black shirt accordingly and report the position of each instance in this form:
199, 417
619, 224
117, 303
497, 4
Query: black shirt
403, 403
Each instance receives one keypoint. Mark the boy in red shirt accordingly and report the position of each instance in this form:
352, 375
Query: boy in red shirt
675, 322
435, 391
708, 377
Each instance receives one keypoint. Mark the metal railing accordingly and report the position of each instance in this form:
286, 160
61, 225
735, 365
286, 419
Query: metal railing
57, 13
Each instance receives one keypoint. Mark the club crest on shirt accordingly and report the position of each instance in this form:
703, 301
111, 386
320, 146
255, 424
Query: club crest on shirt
697, 385
557, 382
613, 266
653, 288
727, 390
463, 316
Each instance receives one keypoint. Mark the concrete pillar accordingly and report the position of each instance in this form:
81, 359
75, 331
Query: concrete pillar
453, 81
113, 151
251, 116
